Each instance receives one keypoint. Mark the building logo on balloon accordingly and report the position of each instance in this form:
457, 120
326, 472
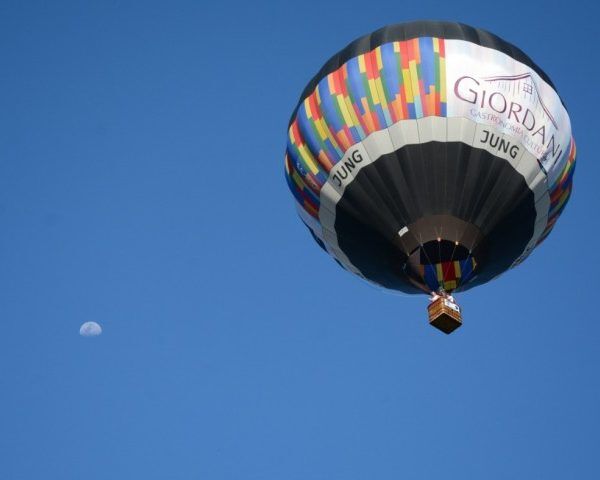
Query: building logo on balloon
515, 106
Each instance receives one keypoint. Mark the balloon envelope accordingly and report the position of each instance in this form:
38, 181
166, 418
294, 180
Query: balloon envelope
430, 154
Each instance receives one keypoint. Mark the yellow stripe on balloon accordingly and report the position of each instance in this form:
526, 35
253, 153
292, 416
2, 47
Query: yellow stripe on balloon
348, 118
350, 110
361, 64
373, 91
381, 93
321, 128
329, 135
457, 270
307, 108
308, 159
414, 77
439, 271
298, 180
378, 57
407, 85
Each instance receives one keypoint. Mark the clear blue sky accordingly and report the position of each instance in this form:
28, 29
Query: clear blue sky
141, 186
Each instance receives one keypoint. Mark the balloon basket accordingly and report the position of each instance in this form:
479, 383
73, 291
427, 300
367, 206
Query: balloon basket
444, 315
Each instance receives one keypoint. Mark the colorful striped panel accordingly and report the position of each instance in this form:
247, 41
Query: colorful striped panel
561, 191
448, 275
393, 82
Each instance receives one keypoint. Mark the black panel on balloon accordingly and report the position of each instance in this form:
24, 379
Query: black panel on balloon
421, 182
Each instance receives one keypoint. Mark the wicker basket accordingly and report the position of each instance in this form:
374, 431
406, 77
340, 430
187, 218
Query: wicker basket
444, 315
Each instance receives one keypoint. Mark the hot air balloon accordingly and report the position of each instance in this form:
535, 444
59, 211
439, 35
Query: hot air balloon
430, 157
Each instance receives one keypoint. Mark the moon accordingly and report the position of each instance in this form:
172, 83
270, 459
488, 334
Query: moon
90, 329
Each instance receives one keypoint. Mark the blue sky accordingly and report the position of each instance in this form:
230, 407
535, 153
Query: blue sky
141, 186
